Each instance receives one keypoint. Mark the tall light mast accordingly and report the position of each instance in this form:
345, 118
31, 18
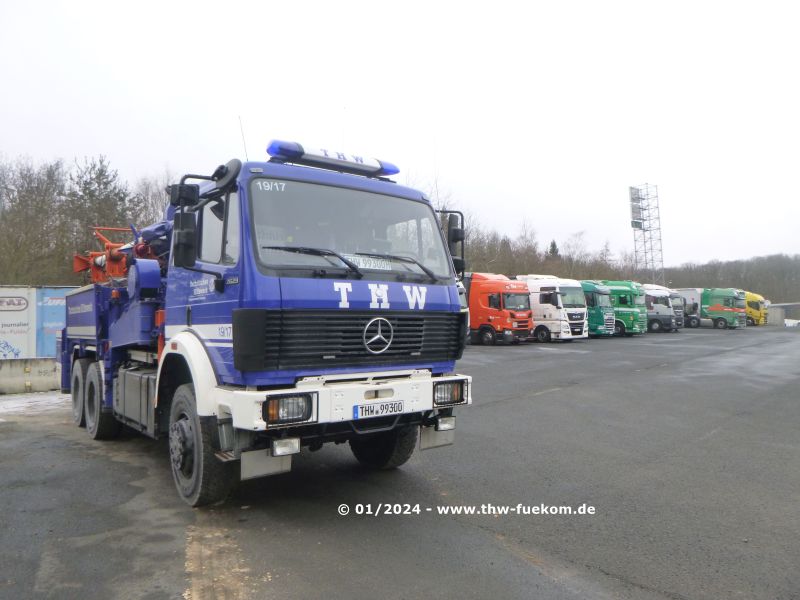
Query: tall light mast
646, 225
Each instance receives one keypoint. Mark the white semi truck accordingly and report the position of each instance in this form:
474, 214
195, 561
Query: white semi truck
661, 314
559, 307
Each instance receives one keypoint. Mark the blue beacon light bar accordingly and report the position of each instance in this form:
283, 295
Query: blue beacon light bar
319, 157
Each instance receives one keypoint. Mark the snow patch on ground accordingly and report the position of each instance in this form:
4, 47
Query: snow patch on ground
33, 403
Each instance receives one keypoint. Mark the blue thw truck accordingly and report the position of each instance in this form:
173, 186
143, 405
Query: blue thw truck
280, 305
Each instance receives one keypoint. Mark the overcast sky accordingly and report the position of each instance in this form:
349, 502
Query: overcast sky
532, 112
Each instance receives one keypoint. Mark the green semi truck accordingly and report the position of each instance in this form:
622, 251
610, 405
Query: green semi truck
598, 306
724, 307
630, 310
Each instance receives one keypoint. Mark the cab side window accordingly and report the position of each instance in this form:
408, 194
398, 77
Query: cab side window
623, 301
589, 299
210, 247
494, 301
220, 231
230, 254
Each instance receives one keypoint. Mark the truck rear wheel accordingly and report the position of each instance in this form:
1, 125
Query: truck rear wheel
201, 478
542, 334
387, 450
721, 324
77, 386
100, 424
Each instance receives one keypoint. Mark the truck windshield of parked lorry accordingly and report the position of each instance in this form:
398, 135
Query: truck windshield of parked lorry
572, 297
517, 301
324, 228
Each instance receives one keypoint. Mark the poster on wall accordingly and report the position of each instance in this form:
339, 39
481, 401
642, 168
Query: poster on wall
17, 322
51, 317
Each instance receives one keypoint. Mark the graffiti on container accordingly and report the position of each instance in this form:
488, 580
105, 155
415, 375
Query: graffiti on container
8, 351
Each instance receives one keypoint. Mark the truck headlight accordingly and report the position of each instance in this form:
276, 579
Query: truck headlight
450, 392
288, 408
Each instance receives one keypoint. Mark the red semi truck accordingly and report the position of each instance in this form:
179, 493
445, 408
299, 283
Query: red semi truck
499, 308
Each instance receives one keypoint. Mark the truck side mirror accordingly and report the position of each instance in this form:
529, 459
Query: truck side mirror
186, 194
185, 243
459, 264
554, 300
454, 233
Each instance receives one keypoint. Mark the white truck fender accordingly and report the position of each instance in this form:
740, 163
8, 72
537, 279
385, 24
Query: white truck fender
187, 345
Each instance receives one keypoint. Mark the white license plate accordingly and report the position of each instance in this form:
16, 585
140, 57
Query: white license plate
370, 262
377, 409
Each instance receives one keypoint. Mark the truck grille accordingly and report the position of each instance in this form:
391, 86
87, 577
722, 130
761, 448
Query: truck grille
609, 322
576, 316
292, 339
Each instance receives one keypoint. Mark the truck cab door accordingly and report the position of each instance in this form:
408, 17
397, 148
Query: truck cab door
195, 301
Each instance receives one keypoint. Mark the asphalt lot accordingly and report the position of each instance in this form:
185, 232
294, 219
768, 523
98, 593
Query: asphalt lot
686, 445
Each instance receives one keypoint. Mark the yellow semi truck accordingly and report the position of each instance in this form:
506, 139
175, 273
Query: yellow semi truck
756, 308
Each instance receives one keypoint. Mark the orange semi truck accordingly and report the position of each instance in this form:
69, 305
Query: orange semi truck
499, 308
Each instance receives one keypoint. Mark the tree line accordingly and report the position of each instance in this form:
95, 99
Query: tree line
47, 211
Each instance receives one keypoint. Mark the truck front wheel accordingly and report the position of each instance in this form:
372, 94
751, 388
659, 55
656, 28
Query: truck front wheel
488, 338
387, 450
100, 424
655, 326
619, 328
721, 324
201, 478
542, 334
80, 366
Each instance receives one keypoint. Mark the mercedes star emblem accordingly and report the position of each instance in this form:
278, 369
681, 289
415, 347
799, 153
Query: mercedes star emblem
378, 336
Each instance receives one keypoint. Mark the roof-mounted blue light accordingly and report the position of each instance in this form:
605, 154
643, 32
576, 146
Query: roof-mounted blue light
293, 152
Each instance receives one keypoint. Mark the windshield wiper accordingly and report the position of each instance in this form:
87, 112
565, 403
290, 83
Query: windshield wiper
405, 259
318, 252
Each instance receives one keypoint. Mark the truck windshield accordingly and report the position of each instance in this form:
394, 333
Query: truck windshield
740, 303
517, 301
572, 297
602, 299
640, 300
662, 300
374, 232
677, 301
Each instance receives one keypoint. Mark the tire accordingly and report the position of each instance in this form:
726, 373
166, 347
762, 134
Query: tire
694, 322
542, 334
387, 450
100, 424
720, 324
200, 477
77, 386
619, 328
655, 326
488, 337
750, 322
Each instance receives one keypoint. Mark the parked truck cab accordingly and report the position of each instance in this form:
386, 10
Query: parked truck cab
280, 305
724, 308
630, 311
660, 313
559, 307
499, 308
756, 309
600, 312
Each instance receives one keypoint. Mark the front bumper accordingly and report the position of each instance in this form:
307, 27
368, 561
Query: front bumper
337, 397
